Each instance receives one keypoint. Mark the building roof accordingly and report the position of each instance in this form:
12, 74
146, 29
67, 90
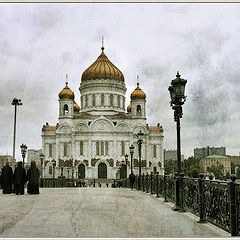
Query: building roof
102, 68
217, 156
157, 128
48, 128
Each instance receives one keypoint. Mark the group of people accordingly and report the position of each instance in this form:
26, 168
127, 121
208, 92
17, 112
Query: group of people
14, 182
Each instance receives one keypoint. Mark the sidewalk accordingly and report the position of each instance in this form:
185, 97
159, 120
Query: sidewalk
97, 213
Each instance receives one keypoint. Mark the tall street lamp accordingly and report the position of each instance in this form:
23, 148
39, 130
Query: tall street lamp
131, 153
177, 90
140, 141
42, 162
126, 159
23, 151
15, 102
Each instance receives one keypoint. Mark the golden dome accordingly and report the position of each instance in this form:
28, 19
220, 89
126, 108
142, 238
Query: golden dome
102, 68
138, 93
76, 108
129, 108
66, 93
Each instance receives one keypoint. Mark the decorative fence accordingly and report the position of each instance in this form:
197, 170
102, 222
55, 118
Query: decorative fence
217, 202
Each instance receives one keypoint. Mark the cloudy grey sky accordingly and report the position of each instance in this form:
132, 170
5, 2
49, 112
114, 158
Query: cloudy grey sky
40, 43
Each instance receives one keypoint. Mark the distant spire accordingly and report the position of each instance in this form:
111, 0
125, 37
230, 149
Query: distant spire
102, 43
137, 80
66, 79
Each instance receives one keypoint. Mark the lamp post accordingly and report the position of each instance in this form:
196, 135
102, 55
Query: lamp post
41, 159
23, 151
140, 141
131, 153
126, 159
61, 170
54, 165
15, 102
68, 175
178, 98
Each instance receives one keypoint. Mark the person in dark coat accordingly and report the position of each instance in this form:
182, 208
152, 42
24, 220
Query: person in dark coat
33, 179
19, 178
132, 179
6, 179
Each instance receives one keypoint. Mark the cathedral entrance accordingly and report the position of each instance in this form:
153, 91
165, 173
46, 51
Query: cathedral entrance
81, 171
123, 171
102, 170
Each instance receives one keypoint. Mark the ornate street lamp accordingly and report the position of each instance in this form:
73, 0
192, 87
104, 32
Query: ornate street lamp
177, 90
126, 159
54, 165
15, 102
140, 141
131, 153
23, 151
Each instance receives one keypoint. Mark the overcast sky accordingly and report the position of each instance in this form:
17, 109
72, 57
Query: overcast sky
40, 43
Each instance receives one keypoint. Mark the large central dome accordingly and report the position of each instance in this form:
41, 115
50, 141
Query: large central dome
102, 68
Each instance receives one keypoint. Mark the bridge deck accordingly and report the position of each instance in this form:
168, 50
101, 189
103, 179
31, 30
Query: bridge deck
97, 213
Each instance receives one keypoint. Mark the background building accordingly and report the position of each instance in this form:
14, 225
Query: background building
91, 141
207, 151
4, 159
34, 155
216, 160
171, 154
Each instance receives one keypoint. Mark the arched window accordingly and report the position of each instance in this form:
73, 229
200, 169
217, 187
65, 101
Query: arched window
118, 101
86, 97
50, 170
93, 100
106, 148
50, 150
102, 99
97, 148
139, 111
81, 148
65, 109
65, 150
111, 100
154, 150
123, 148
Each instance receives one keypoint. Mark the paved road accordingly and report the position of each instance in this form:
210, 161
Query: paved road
97, 213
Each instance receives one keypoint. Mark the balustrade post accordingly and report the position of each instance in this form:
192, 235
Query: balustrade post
201, 199
151, 183
165, 187
147, 178
143, 182
157, 190
233, 207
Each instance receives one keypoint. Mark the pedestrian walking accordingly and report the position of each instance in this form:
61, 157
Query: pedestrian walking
19, 178
6, 179
132, 179
107, 184
33, 179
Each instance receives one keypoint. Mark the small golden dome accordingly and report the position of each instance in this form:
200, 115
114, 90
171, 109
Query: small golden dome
138, 93
66, 93
76, 108
129, 108
102, 68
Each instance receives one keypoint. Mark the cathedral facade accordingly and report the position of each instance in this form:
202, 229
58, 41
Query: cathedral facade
91, 141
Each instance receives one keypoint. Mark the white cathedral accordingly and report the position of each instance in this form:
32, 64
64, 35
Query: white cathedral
91, 141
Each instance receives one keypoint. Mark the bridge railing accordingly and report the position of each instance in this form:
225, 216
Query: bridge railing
217, 202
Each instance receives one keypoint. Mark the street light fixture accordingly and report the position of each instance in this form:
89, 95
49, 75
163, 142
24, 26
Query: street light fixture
126, 159
54, 165
140, 141
15, 102
23, 151
131, 153
41, 155
177, 90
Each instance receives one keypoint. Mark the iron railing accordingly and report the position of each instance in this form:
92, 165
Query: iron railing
217, 202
